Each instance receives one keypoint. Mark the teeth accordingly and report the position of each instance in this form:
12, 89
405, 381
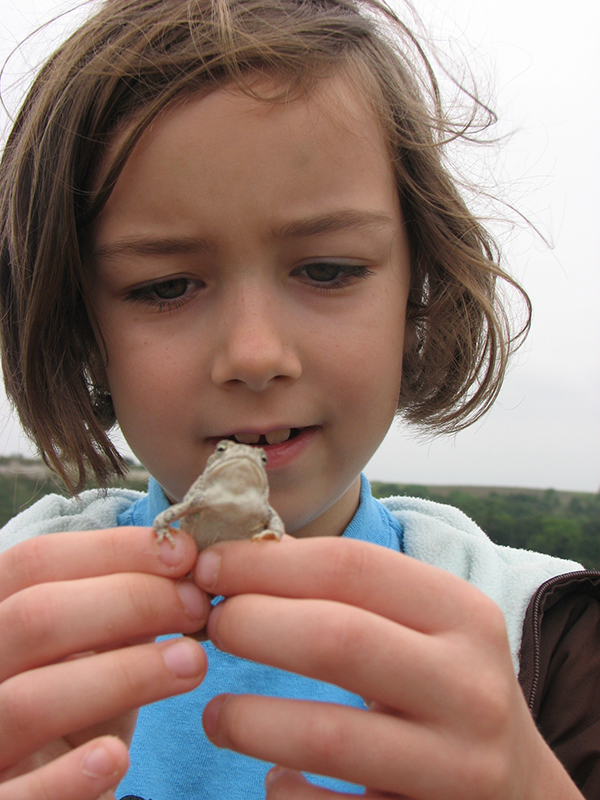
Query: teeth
276, 437
247, 438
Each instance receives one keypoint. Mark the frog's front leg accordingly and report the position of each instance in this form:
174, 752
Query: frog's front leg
162, 522
274, 530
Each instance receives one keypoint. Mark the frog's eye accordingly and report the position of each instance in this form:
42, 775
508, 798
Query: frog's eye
263, 458
221, 447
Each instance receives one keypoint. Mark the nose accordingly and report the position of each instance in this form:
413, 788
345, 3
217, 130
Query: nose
254, 345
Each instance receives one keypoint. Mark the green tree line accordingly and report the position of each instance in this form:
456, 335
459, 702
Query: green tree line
559, 523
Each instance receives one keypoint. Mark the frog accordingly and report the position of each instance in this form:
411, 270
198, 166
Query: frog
229, 500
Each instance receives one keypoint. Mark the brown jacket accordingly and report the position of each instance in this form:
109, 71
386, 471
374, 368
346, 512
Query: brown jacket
560, 672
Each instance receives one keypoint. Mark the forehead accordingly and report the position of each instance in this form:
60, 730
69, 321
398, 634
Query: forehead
342, 96
272, 159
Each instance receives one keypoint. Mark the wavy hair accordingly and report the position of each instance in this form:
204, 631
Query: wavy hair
133, 59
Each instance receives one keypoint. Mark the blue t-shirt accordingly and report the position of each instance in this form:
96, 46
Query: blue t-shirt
171, 758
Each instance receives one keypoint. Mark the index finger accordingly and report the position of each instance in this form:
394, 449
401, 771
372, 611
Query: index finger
87, 554
365, 575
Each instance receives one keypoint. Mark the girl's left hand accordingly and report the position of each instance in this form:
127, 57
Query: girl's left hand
447, 719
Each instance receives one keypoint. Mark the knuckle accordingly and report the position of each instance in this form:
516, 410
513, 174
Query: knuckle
500, 705
25, 561
494, 622
38, 786
329, 738
147, 598
347, 561
141, 605
115, 547
483, 623
342, 640
485, 774
31, 615
19, 711
485, 698
130, 684
500, 710
490, 618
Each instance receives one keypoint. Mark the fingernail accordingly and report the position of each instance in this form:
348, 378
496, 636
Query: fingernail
172, 553
207, 571
211, 714
194, 600
99, 763
184, 659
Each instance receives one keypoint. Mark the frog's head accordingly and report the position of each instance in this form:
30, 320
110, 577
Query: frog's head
237, 468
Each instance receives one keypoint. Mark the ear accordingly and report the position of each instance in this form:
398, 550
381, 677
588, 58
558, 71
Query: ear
97, 363
99, 389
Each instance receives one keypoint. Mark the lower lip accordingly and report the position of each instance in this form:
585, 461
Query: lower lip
282, 454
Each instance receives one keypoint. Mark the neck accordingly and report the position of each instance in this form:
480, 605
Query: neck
334, 520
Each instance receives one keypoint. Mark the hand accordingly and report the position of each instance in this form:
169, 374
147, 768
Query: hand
447, 719
78, 615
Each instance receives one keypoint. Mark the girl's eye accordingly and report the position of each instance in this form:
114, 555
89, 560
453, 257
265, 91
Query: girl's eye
331, 275
168, 294
169, 290
323, 272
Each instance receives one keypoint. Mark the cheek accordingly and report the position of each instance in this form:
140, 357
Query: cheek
144, 387
367, 357
146, 361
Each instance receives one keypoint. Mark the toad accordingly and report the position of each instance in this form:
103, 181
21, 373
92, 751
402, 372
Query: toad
230, 500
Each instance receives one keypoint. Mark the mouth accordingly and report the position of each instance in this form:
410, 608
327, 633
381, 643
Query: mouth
278, 436
283, 446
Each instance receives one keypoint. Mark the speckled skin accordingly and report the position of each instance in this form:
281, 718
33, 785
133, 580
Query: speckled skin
230, 500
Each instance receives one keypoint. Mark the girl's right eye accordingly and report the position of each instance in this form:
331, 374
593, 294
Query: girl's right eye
170, 293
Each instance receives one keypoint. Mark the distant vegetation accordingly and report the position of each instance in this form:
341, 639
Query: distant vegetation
565, 524
23, 481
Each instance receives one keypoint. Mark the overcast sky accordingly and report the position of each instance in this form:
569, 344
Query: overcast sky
541, 62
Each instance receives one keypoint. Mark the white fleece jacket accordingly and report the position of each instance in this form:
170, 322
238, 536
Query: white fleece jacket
435, 534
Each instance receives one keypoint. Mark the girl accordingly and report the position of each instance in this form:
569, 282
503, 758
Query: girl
232, 219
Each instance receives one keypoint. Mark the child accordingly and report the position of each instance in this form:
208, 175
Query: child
232, 219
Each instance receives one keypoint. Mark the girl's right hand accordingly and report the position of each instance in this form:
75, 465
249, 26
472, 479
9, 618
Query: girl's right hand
78, 617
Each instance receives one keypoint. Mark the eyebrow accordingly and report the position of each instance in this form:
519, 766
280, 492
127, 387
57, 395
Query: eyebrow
344, 219
334, 221
149, 246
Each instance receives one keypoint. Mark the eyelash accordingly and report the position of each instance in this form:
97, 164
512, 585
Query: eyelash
346, 273
146, 295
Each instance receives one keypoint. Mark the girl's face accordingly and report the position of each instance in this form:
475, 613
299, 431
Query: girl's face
251, 273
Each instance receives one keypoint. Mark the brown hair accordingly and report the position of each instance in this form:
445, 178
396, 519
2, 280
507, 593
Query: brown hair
128, 62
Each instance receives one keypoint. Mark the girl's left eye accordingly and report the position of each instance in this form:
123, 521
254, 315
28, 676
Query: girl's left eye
333, 275
163, 294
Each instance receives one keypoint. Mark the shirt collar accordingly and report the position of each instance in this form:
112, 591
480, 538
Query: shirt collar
371, 522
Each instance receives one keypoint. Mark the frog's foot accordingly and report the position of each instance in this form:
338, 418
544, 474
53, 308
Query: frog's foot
266, 535
166, 532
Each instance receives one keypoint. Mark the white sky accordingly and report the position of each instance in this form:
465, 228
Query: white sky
542, 62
